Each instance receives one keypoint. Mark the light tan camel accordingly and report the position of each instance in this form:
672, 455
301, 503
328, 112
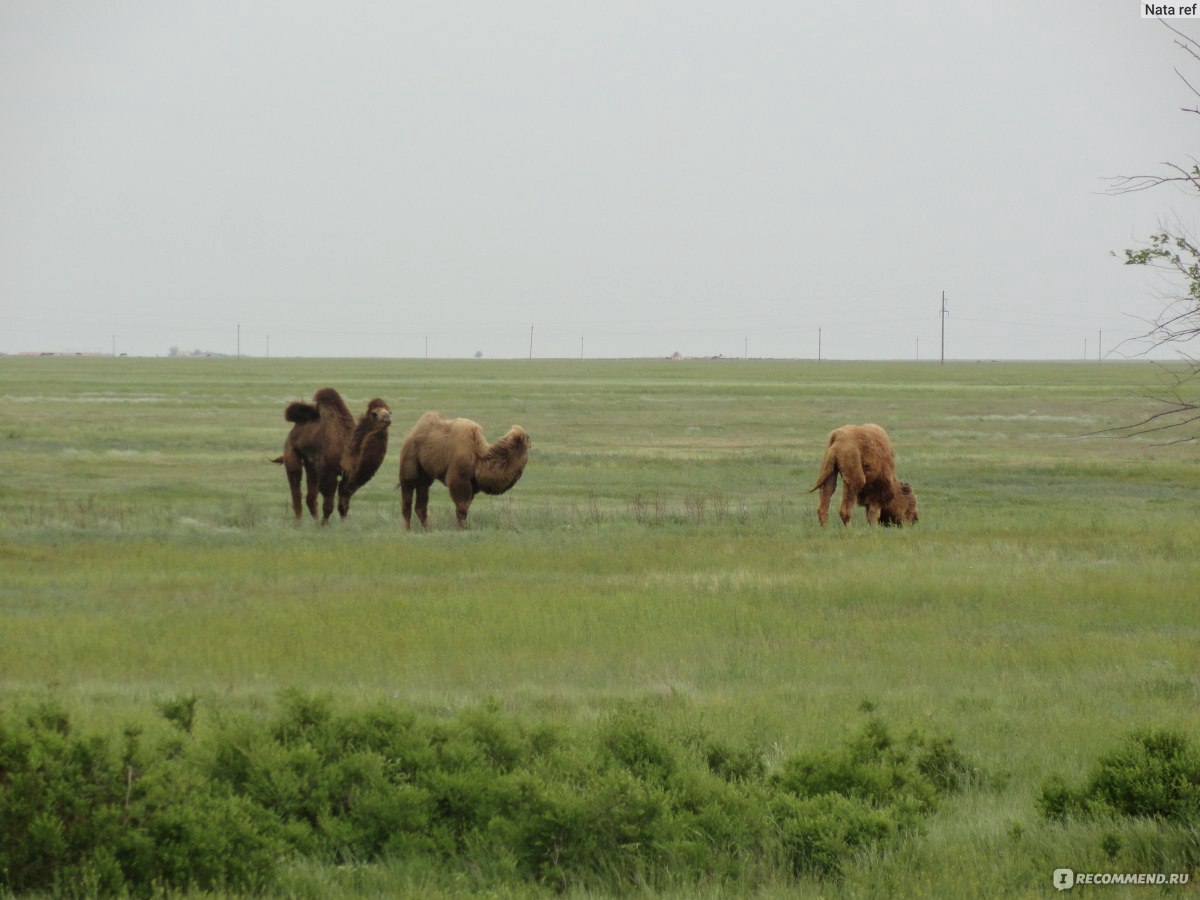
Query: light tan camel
863, 456
455, 452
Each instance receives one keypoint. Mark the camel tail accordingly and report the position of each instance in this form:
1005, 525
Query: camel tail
278, 460
828, 469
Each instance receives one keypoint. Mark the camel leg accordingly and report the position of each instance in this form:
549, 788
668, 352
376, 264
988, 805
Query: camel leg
329, 484
423, 504
310, 499
347, 488
828, 486
873, 511
853, 481
462, 495
406, 498
293, 477
849, 499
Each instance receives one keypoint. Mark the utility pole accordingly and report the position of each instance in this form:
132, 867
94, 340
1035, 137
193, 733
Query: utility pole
746, 347
531, 342
581, 346
944, 312
114, 346
427, 346
268, 346
818, 345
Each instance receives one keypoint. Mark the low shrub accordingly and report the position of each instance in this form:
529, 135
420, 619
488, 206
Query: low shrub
79, 816
1149, 789
866, 792
626, 803
1153, 774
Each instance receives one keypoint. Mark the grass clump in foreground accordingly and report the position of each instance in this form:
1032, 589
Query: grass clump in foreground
480, 797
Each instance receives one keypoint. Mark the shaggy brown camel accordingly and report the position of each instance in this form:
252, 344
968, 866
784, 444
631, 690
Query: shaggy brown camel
455, 452
863, 456
336, 454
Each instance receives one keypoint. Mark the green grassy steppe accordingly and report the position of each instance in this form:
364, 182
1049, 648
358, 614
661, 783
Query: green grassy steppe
661, 549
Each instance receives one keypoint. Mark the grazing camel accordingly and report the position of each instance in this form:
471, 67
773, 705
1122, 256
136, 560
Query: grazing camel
336, 454
455, 452
863, 456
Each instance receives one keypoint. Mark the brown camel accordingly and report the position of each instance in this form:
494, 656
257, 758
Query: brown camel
455, 452
863, 456
335, 453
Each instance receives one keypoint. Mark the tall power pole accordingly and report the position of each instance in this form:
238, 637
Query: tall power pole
531, 342
944, 312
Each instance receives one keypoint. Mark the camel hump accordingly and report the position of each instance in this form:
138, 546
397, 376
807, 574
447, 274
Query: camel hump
327, 395
300, 412
464, 433
330, 404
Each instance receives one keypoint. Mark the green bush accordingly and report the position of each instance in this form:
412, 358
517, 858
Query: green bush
77, 817
865, 793
1149, 787
872, 768
818, 834
1153, 774
480, 794
630, 741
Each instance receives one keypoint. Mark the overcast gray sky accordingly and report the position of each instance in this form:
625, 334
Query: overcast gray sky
626, 178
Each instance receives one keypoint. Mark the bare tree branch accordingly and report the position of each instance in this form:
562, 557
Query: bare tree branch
1175, 251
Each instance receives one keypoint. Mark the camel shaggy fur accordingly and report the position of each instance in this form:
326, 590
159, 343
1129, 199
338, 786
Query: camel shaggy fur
863, 456
336, 454
455, 452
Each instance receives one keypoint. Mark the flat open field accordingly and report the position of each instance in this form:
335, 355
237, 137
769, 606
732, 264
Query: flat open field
662, 549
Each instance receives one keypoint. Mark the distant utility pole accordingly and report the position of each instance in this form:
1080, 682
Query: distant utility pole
746, 347
944, 312
239, 341
268, 346
531, 342
581, 346
427, 346
818, 345
114, 345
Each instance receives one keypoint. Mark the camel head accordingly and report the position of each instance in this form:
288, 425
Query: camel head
518, 439
513, 450
502, 465
379, 414
902, 510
